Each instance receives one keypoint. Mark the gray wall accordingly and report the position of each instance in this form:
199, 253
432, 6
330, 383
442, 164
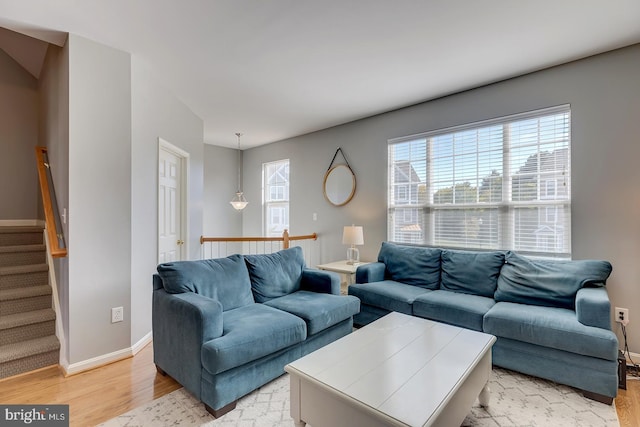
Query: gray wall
604, 93
99, 211
19, 135
101, 116
53, 88
220, 183
156, 113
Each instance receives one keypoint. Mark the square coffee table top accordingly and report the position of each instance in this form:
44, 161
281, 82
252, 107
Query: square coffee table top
403, 366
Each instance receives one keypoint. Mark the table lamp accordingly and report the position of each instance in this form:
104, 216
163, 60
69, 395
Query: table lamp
352, 235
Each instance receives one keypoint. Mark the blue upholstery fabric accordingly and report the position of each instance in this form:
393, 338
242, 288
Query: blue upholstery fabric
390, 295
469, 272
221, 389
368, 314
453, 308
413, 265
277, 274
372, 272
593, 307
547, 283
181, 324
224, 279
157, 282
586, 373
251, 332
319, 311
326, 282
550, 327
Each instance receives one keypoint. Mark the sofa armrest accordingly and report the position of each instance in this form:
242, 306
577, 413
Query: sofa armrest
373, 272
593, 307
320, 281
182, 323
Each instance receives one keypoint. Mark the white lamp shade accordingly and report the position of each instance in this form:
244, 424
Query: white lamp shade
352, 235
239, 202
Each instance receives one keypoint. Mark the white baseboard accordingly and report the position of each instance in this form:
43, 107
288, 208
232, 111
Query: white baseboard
21, 222
142, 343
105, 359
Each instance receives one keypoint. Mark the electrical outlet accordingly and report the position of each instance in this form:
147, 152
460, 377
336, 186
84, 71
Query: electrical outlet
117, 314
622, 315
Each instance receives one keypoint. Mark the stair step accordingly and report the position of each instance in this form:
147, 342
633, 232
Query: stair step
20, 235
22, 255
28, 355
26, 326
23, 276
18, 300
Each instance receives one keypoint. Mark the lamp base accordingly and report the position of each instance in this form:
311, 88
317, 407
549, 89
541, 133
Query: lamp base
353, 256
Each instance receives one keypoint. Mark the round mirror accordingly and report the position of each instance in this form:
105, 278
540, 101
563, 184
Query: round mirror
339, 185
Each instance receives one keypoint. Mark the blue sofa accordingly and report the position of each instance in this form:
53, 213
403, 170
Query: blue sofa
551, 318
224, 327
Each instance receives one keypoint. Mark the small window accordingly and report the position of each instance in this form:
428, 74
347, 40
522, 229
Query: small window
275, 179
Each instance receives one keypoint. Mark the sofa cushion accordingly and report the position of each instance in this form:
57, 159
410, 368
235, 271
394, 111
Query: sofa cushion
454, 308
319, 311
470, 272
390, 295
550, 283
412, 265
549, 327
277, 274
249, 333
224, 279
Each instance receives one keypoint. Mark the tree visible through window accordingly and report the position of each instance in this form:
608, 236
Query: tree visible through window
499, 184
275, 178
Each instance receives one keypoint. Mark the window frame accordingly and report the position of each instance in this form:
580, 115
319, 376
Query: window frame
508, 206
268, 202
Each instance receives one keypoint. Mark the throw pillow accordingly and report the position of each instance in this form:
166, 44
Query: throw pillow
224, 279
469, 272
277, 274
412, 265
547, 283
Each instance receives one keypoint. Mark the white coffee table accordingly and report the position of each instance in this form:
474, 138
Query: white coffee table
397, 371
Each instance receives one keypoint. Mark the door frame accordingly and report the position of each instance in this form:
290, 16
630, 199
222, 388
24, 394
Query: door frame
164, 145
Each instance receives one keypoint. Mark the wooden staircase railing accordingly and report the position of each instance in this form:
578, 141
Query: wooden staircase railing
55, 234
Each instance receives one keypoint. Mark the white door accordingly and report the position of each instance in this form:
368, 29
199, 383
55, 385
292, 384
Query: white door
170, 239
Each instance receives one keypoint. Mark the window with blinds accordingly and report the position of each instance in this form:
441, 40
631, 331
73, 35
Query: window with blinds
498, 184
275, 179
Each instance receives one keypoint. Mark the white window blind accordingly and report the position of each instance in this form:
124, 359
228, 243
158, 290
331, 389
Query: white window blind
498, 184
275, 179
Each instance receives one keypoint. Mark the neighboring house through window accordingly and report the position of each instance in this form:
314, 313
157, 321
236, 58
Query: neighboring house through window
498, 184
275, 179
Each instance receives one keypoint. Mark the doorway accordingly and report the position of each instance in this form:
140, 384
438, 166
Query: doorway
173, 165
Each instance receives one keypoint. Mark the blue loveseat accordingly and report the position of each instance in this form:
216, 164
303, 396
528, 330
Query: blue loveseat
551, 318
224, 327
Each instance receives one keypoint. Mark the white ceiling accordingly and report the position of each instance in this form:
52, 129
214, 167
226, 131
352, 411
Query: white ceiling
274, 69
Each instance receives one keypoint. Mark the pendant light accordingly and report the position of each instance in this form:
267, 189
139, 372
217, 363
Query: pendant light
239, 202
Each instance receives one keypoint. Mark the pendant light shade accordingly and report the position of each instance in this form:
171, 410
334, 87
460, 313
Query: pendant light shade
239, 202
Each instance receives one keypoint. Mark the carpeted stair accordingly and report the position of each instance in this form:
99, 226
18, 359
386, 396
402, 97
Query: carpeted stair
27, 319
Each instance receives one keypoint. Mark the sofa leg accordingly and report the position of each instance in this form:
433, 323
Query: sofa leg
160, 371
217, 413
598, 397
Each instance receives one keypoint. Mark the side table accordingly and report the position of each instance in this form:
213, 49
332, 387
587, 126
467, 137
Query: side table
347, 271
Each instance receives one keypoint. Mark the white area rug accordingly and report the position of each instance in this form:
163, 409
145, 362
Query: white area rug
516, 400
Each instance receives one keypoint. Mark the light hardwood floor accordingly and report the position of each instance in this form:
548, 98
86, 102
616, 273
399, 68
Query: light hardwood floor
94, 396
100, 394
